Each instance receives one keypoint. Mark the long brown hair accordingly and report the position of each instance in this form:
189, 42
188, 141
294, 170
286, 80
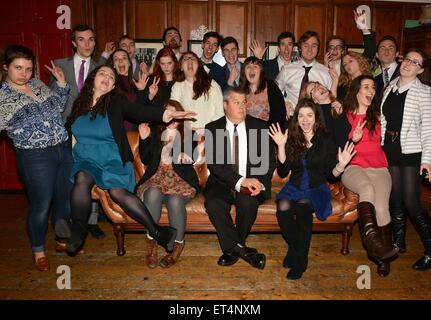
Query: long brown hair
83, 104
158, 72
296, 142
244, 84
351, 103
202, 83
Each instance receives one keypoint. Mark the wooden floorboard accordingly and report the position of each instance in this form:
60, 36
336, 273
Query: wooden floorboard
100, 274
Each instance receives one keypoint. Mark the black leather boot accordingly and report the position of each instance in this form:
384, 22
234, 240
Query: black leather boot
399, 216
370, 233
77, 238
422, 223
288, 229
165, 236
384, 266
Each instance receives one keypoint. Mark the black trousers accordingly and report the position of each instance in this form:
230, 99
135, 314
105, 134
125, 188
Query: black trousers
218, 201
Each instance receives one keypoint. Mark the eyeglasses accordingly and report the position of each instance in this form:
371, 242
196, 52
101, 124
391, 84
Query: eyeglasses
410, 61
191, 58
337, 47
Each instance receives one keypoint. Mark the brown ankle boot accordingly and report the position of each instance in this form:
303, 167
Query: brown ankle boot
172, 257
151, 258
370, 233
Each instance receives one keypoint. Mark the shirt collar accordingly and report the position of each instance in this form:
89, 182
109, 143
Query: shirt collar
308, 65
403, 88
78, 58
230, 125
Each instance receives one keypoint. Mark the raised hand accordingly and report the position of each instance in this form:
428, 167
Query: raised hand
143, 69
154, 88
142, 82
277, 135
110, 47
327, 59
337, 106
144, 130
345, 156
257, 49
57, 73
234, 73
360, 19
359, 130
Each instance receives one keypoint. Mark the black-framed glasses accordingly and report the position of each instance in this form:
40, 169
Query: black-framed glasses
410, 61
337, 47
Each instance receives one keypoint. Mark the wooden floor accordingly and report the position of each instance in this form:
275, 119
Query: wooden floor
100, 274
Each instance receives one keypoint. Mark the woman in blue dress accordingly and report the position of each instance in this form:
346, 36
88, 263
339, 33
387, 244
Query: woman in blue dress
102, 155
306, 146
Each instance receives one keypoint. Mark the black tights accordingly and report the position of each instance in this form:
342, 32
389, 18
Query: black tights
129, 202
406, 189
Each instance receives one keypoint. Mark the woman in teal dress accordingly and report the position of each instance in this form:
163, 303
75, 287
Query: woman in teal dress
102, 155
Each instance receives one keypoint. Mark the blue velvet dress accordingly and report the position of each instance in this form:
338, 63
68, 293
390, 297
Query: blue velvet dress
320, 197
97, 153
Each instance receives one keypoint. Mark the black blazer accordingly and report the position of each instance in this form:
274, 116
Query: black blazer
216, 73
121, 109
277, 107
270, 67
321, 158
222, 173
339, 127
150, 150
225, 76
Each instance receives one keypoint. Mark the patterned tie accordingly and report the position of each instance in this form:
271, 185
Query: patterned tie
81, 76
305, 78
386, 76
235, 160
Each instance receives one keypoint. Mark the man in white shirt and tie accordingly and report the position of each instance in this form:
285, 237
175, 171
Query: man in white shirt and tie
293, 76
241, 161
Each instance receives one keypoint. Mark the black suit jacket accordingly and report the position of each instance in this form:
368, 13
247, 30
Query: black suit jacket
225, 76
271, 68
321, 158
222, 172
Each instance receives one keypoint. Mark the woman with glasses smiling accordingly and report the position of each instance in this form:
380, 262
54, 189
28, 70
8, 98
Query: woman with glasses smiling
406, 138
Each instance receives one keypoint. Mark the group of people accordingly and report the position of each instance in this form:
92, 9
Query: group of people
317, 122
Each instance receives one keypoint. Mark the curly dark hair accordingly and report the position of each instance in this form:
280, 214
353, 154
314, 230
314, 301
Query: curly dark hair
83, 104
351, 103
296, 142
202, 83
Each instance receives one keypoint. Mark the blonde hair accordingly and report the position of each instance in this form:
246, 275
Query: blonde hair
364, 66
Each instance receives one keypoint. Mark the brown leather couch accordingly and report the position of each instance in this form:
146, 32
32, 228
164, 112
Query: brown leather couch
342, 219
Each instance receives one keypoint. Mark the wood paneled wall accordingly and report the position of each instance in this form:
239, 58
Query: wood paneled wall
244, 19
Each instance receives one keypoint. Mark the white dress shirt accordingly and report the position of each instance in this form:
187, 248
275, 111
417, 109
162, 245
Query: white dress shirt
242, 141
77, 65
290, 77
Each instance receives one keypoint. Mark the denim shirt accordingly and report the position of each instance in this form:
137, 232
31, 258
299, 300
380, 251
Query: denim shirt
33, 123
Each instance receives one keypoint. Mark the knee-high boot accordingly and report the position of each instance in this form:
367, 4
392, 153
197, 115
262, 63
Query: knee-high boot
370, 233
398, 217
422, 223
384, 266
288, 229
304, 217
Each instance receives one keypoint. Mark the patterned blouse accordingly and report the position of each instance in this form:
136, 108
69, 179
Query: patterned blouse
168, 182
258, 105
33, 123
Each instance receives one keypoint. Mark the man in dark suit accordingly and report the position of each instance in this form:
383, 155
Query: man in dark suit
232, 68
241, 161
386, 51
210, 46
76, 69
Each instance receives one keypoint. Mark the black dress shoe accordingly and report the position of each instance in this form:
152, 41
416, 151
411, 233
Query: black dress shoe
423, 263
227, 259
95, 231
294, 274
255, 259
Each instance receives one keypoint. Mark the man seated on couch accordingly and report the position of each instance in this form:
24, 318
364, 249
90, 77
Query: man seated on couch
241, 160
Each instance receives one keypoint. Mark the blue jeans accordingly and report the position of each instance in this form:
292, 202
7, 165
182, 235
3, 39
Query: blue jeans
45, 173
